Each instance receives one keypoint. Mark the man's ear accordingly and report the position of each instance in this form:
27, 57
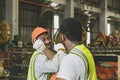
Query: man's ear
63, 37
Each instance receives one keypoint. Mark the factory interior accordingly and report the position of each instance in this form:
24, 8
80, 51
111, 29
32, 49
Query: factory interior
101, 32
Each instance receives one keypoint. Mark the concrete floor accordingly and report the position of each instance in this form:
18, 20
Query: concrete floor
4, 79
16, 78
20, 77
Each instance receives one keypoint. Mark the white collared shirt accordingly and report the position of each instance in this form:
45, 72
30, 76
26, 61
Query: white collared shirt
72, 67
43, 65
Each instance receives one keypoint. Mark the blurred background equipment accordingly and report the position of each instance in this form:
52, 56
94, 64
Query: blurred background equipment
101, 32
57, 37
4, 56
4, 32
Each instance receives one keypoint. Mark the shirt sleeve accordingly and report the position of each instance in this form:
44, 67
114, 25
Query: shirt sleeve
45, 65
66, 69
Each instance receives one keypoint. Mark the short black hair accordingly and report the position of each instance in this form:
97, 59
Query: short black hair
72, 29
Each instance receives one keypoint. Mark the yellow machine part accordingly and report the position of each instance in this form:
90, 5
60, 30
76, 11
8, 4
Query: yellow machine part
84, 35
57, 37
4, 32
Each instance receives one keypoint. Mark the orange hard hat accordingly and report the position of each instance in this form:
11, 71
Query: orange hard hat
37, 31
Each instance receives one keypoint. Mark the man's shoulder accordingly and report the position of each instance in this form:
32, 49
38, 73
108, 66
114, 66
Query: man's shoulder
71, 57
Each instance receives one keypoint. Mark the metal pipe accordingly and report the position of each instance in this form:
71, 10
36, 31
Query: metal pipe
38, 4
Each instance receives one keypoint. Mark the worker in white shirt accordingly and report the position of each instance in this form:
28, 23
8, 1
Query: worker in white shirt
43, 61
78, 64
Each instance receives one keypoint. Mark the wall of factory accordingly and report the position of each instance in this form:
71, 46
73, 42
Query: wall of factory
95, 31
29, 17
117, 26
2, 9
27, 21
114, 25
113, 5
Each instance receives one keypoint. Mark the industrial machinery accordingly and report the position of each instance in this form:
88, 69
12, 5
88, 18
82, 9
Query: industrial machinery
58, 38
106, 53
4, 54
112, 40
20, 58
4, 32
106, 60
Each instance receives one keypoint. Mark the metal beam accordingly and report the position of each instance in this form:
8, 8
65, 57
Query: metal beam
103, 16
113, 14
96, 10
87, 8
69, 8
12, 8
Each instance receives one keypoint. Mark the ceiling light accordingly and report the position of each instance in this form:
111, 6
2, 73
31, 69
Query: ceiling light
108, 19
86, 12
53, 4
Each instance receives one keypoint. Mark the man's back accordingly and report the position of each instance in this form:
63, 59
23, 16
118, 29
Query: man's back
78, 65
73, 68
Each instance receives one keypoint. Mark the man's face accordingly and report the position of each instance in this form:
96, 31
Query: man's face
45, 37
66, 42
63, 40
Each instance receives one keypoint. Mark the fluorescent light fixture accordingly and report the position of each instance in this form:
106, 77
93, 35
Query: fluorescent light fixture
88, 37
58, 1
108, 29
87, 25
89, 21
56, 23
86, 12
89, 14
108, 19
53, 4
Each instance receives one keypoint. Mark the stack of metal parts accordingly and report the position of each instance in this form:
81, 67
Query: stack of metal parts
19, 64
106, 60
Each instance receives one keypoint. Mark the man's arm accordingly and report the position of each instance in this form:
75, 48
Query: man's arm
40, 47
50, 54
60, 79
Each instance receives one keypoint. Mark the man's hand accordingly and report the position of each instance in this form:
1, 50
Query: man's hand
59, 47
39, 45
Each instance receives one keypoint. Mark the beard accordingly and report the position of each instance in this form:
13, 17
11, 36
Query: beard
49, 46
